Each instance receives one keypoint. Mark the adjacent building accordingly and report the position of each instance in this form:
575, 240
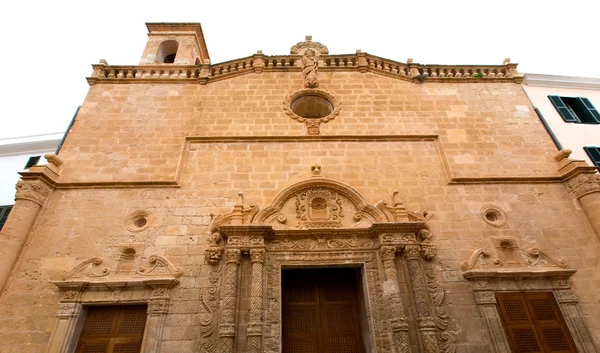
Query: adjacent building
306, 202
567, 107
18, 154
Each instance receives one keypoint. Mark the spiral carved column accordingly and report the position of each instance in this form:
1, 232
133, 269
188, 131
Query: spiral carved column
254, 328
227, 327
427, 328
391, 290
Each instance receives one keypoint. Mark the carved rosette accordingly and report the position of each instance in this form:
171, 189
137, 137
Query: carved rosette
32, 190
584, 184
227, 327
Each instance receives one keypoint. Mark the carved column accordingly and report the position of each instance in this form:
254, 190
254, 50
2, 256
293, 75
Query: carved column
391, 290
486, 300
586, 188
568, 302
227, 327
254, 328
31, 195
425, 320
62, 334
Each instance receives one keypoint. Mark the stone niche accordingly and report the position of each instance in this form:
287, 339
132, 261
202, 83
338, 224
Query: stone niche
320, 222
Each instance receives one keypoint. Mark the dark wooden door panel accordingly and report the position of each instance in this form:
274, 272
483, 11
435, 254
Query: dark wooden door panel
320, 311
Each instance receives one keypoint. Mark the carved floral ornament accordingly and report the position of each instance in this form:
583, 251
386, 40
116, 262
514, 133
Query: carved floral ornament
319, 213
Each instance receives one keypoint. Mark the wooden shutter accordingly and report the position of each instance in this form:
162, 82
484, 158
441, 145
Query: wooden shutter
4, 211
590, 108
594, 154
113, 329
563, 110
533, 323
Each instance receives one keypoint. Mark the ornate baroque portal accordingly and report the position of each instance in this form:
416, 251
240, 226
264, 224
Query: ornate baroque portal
320, 223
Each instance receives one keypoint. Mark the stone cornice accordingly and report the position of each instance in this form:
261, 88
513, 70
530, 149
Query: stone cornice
588, 83
518, 272
363, 62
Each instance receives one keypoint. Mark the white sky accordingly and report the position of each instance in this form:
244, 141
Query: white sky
48, 46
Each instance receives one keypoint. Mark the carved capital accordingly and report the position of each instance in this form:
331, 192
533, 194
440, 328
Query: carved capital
233, 256
257, 255
584, 184
158, 306
213, 255
68, 309
412, 252
388, 253
566, 296
399, 324
254, 329
32, 190
227, 330
486, 297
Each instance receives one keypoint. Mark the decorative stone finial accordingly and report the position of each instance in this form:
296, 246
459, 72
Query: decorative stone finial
103, 62
308, 38
240, 198
409, 60
259, 51
506, 61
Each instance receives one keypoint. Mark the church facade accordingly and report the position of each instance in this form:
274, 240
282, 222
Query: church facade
308, 202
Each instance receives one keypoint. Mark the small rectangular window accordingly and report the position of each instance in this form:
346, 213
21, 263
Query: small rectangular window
111, 329
533, 323
4, 211
594, 154
576, 109
32, 161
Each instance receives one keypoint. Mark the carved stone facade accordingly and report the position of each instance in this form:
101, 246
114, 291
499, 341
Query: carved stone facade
188, 189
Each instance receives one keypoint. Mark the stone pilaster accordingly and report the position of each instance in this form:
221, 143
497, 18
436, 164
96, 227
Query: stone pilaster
391, 291
228, 302
586, 188
31, 195
254, 328
427, 328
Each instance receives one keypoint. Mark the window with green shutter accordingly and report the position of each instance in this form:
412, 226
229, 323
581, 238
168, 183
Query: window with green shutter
4, 211
576, 109
594, 154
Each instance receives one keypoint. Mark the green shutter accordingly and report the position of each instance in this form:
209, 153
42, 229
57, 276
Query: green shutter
4, 211
564, 112
588, 105
594, 154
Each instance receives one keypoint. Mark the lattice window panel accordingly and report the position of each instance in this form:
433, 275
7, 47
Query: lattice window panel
302, 321
342, 345
95, 348
555, 339
126, 348
301, 346
337, 294
301, 295
515, 310
542, 309
340, 320
101, 322
525, 340
133, 322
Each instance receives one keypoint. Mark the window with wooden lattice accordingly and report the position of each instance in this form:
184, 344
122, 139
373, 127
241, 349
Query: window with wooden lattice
113, 329
533, 323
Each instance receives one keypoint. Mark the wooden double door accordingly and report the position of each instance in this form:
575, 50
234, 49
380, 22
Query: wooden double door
321, 311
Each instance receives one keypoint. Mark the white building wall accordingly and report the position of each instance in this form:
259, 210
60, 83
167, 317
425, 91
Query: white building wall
14, 154
571, 135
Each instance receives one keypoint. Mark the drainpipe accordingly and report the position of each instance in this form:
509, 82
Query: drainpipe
548, 130
67, 132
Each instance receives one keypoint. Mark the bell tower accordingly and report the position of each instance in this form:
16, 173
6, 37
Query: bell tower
175, 43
